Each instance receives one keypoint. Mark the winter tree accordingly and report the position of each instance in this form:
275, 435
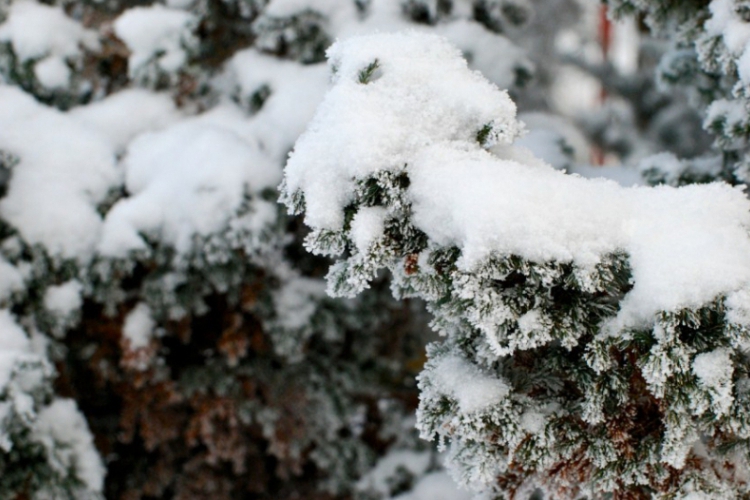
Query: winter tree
593, 335
165, 333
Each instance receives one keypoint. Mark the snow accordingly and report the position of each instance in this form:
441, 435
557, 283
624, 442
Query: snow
714, 371
496, 57
11, 280
296, 91
12, 336
686, 246
62, 430
152, 30
55, 189
14, 345
624, 175
533, 421
471, 388
186, 180
64, 299
37, 31
738, 307
123, 115
377, 479
52, 72
139, 326
296, 301
725, 22
334, 14
367, 227
554, 139
435, 486
382, 124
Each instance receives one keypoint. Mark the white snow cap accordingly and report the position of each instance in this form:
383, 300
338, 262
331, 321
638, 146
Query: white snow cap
139, 326
410, 102
155, 29
64, 299
37, 31
186, 180
421, 112
121, 116
65, 170
63, 431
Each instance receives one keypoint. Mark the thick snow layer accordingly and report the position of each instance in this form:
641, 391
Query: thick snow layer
125, 114
62, 430
64, 299
152, 30
65, 170
472, 389
687, 246
410, 102
186, 180
37, 31
139, 326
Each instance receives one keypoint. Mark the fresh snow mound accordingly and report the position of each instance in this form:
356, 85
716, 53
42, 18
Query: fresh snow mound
361, 128
55, 189
125, 114
155, 31
64, 299
421, 112
184, 181
139, 326
37, 31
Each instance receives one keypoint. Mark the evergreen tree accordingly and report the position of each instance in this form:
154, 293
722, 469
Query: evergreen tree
594, 336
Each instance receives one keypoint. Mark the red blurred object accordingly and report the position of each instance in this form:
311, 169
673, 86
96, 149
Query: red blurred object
605, 40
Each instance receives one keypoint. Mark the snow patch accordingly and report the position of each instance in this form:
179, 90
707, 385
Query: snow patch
64, 299
63, 431
74, 170
155, 31
471, 388
186, 180
139, 326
